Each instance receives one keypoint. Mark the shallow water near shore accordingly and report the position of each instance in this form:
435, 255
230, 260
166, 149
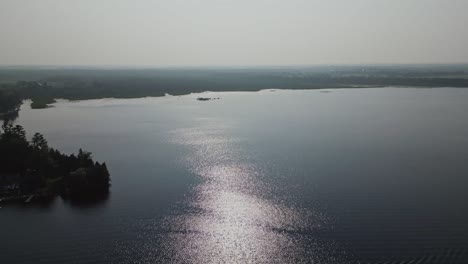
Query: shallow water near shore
345, 176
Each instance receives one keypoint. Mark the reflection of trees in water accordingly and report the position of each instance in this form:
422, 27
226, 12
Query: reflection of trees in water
88, 202
47, 202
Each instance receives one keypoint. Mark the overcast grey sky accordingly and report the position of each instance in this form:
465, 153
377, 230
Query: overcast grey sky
232, 32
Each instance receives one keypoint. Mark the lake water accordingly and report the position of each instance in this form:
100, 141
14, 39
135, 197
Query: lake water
346, 176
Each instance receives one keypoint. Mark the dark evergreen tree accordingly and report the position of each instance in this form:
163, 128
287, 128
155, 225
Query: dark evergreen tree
39, 143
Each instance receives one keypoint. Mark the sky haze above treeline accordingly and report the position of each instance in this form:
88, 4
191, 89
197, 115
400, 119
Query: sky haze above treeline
232, 32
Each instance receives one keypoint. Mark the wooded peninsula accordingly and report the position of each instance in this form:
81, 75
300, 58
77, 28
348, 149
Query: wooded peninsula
33, 170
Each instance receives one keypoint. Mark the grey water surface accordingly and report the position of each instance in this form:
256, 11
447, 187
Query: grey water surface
374, 175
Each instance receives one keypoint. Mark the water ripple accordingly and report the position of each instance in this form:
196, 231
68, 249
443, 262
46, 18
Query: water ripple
232, 215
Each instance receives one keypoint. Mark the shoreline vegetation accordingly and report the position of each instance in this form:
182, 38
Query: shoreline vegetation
10, 102
31, 170
42, 84
41, 103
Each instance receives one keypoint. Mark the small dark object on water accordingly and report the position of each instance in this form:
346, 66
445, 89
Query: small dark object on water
207, 98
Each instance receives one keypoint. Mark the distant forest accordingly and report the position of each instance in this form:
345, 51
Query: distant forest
43, 85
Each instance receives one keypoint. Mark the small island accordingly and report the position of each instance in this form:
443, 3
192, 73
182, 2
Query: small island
31, 170
207, 98
41, 103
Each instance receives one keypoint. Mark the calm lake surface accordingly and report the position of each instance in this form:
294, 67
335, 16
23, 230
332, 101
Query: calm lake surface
346, 176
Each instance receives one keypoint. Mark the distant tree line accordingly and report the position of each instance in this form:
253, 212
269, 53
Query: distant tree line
42, 86
32, 167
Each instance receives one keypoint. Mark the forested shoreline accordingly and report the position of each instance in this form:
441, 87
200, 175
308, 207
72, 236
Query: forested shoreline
32, 168
43, 85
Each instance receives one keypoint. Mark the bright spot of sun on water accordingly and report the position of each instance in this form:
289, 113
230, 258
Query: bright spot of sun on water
231, 217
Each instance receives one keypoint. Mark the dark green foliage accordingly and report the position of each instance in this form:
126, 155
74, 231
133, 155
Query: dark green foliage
41, 102
39, 143
88, 181
10, 101
14, 148
44, 170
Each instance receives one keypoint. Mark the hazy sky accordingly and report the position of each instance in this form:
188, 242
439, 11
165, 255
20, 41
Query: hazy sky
232, 32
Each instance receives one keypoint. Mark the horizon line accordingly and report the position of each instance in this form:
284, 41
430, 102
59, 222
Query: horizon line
171, 66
